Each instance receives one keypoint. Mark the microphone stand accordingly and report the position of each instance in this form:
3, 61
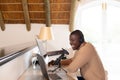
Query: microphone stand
57, 62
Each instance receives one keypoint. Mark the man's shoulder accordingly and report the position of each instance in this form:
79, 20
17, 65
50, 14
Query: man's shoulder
89, 44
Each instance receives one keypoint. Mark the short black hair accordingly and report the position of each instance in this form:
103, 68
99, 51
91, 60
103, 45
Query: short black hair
79, 34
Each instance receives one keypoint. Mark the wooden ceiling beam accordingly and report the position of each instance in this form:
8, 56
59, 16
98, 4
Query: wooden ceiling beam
47, 10
26, 14
2, 25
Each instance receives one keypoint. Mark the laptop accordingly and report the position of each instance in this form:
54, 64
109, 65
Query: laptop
46, 75
42, 63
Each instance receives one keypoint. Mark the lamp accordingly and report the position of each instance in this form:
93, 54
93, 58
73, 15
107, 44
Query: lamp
45, 34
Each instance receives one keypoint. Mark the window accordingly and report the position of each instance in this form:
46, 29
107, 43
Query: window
102, 28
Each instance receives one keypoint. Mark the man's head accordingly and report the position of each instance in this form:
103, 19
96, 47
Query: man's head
76, 39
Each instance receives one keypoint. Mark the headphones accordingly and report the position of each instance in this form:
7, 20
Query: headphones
81, 40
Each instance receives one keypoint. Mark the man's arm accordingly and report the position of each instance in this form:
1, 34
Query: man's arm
83, 56
66, 62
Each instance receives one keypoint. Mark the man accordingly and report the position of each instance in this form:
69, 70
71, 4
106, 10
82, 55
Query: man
85, 58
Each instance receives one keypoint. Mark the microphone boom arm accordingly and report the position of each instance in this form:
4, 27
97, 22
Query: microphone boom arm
57, 61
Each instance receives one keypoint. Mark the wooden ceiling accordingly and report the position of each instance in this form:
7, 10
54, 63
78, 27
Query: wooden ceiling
33, 11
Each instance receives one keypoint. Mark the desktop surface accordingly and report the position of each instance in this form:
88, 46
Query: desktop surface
35, 74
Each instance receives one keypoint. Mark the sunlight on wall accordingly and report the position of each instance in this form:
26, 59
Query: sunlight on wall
102, 29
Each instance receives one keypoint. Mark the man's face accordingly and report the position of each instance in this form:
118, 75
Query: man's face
74, 42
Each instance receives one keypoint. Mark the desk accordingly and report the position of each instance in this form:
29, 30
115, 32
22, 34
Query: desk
35, 74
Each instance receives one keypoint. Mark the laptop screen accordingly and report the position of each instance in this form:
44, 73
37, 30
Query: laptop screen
40, 47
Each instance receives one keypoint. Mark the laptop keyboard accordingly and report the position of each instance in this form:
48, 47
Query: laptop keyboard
55, 77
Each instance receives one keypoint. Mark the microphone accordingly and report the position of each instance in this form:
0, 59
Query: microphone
65, 51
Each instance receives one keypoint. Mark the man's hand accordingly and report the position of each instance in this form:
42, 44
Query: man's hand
51, 63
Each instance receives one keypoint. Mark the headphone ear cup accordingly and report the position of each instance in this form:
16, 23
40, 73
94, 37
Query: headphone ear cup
81, 40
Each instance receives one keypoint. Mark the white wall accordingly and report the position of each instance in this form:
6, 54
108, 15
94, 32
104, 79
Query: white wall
17, 33
13, 69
